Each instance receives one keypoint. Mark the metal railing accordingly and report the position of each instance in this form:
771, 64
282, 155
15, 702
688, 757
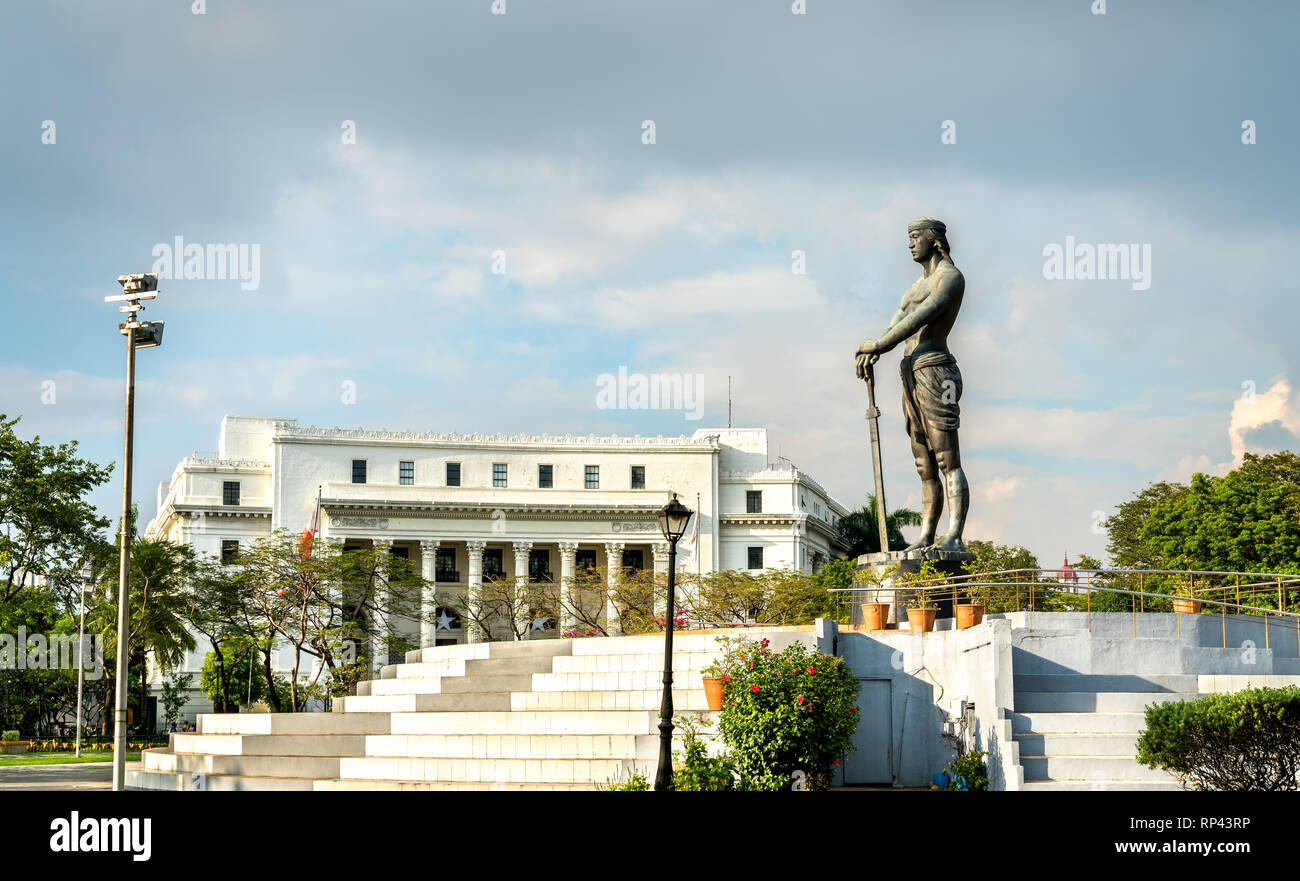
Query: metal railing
1244, 596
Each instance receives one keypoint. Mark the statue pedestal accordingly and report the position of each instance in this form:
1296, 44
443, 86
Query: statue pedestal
946, 562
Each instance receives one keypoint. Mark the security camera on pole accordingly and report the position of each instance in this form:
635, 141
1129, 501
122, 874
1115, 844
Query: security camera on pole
139, 335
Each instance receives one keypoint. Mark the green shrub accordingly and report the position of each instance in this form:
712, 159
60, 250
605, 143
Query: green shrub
785, 711
1248, 740
696, 770
11, 734
635, 783
971, 769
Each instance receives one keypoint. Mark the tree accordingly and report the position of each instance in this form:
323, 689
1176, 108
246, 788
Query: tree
173, 695
1126, 546
1246, 521
1234, 523
45, 519
160, 574
859, 528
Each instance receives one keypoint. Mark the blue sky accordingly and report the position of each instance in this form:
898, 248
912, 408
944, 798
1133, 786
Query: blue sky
774, 133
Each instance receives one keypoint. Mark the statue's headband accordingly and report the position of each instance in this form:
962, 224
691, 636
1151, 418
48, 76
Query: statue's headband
927, 223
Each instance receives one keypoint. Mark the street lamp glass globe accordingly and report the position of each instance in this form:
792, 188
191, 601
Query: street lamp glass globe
673, 519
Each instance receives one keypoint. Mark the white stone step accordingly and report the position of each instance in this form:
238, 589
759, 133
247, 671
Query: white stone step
1100, 786
1146, 682
422, 703
448, 786
242, 766
1039, 744
292, 723
1088, 767
401, 685
643, 746
549, 771
633, 663
527, 722
1080, 723
424, 669
176, 781
1094, 701
611, 681
684, 700
270, 744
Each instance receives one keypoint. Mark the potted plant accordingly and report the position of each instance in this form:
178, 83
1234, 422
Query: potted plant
1185, 601
875, 612
971, 613
921, 612
715, 683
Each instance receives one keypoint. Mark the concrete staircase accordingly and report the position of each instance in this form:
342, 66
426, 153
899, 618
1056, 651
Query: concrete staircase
545, 714
1080, 731
1081, 686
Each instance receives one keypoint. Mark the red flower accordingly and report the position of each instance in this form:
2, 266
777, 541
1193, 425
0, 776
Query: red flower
754, 688
725, 678
836, 762
799, 699
811, 670
854, 709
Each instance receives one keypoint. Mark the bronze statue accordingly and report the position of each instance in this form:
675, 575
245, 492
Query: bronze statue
931, 380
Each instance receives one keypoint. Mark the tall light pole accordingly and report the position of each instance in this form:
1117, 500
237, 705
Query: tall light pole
139, 335
81, 651
673, 518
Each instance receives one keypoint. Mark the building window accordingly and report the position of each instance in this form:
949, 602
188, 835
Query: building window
545, 476
230, 492
638, 477
754, 501
444, 566
755, 558
634, 559
539, 565
585, 559
229, 550
499, 474
358, 470
406, 473
593, 477
453, 474
494, 567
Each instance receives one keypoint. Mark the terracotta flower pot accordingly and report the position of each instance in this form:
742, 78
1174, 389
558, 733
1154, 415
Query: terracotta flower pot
921, 619
875, 615
969, 614
713, 692
1186, 606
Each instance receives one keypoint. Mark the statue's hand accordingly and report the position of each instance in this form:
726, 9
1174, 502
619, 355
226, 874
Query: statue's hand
868, 347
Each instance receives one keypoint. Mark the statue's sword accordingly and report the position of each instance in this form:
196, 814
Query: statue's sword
873, 417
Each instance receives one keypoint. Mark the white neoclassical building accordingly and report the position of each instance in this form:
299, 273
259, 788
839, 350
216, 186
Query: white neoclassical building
474, 505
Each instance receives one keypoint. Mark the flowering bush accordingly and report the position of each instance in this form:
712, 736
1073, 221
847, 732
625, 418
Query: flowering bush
580, 633
785, 711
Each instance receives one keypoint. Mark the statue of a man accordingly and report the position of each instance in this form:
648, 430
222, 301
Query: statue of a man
931, 380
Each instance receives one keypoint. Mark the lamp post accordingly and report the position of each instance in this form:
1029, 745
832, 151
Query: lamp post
139, 335
81, 651
673, 518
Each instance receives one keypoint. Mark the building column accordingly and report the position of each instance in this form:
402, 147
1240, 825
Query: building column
613, 567
660, 549
428, 592
523, 620
568, 555
379, 624
474, 589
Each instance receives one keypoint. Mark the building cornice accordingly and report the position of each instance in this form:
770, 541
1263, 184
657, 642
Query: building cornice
286, 432
640, 514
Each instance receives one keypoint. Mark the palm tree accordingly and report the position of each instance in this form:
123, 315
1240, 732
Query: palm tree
859, 528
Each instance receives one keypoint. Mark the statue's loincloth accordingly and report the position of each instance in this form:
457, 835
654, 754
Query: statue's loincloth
931, 390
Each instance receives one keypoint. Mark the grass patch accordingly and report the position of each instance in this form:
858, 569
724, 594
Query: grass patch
61, 758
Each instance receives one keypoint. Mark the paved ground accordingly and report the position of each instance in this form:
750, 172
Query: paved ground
47, 778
